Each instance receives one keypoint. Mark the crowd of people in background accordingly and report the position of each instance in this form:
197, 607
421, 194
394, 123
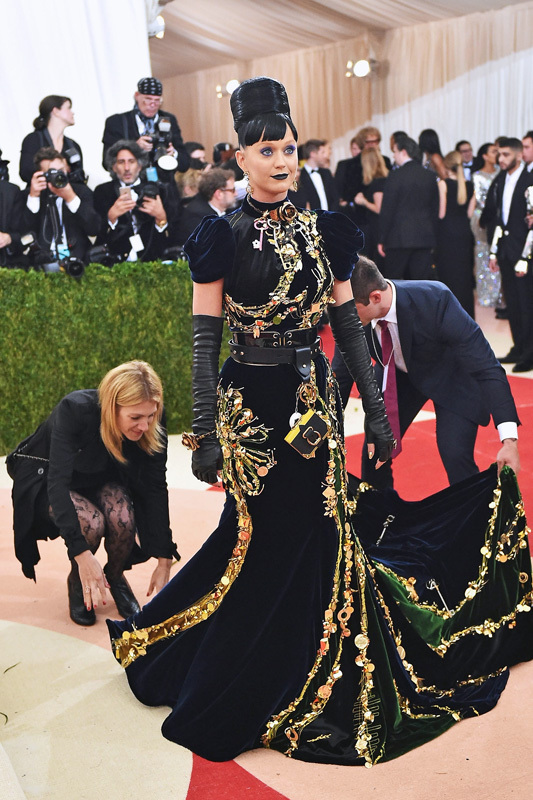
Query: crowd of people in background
456, 217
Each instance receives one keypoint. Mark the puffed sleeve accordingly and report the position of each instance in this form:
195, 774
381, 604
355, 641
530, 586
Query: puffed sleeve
342, 239
210, 250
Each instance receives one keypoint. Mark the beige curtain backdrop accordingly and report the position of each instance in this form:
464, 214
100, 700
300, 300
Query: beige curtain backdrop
468, 77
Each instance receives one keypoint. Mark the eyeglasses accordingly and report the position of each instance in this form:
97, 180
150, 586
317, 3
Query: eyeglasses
372, 141
229, 190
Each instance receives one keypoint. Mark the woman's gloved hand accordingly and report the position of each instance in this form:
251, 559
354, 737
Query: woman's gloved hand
207, 337
350, 338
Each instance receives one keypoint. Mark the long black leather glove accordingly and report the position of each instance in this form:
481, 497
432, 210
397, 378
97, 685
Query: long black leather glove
350, 338
207, 336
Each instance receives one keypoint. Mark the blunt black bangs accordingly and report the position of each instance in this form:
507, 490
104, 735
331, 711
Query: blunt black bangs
271, 127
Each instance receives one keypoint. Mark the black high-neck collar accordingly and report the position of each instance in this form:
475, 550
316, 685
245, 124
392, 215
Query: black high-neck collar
260, 207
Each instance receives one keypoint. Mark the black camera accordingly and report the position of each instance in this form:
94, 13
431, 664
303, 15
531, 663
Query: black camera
161, 138
77, 175
4, 171
58, 178
46, 261
150, 190
100, 254
72, 266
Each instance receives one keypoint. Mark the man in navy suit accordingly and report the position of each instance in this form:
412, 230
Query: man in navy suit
316, 185
440, 354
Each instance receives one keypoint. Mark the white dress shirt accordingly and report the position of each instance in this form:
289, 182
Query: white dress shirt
318, 183
506, 430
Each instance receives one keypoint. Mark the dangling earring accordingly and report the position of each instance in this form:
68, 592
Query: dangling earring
249, 188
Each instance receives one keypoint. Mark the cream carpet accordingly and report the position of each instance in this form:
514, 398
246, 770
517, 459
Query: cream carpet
75, 732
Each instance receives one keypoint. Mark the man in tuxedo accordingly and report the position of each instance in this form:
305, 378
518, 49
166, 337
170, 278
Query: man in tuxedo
316, 185
438, 353
11, 206
409, 215
142, 123
63, 217
467, 155
216, 195
136, 216
505, 213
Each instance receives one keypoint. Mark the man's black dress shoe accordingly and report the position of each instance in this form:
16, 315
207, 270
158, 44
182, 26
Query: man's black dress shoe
76, 604
511, 358
122, 594
523, 366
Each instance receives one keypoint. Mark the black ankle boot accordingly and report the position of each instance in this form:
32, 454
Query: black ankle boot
122, 594
78, 610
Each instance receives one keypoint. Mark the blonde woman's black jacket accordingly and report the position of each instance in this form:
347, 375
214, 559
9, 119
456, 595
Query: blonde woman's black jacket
68, 453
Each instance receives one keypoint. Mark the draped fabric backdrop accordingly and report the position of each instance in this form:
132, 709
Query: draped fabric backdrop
93, 51
468, 77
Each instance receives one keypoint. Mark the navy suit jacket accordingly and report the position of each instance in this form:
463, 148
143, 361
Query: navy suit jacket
448, 359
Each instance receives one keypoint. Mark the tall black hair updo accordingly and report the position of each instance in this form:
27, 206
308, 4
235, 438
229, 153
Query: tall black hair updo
261, 110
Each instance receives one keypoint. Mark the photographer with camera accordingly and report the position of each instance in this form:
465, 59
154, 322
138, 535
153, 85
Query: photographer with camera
55, 114
137, 216
155, 131
60, 213
11, 202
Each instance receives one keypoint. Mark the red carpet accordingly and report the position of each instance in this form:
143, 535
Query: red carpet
226, 781
418, 471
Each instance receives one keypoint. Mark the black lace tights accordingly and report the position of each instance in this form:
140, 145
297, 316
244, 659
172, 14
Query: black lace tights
112, 519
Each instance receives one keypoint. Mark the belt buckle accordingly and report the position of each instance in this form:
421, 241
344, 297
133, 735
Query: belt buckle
277, 339
287, 339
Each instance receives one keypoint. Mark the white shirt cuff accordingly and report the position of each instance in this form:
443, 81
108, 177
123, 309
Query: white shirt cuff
160, 230
74, 204
33, 204
507, 430
112, 225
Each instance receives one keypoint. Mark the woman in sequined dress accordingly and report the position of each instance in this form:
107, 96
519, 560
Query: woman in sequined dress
334, 626
488, 284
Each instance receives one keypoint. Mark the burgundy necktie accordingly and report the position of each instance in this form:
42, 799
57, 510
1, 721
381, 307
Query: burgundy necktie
390, 395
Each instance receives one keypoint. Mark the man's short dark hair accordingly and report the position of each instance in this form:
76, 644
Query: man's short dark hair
511, 142
366, 278
47, 154
394, 136
125, 144
212, 180
409, 145
312, 145
192, 146
528, 135
461, 143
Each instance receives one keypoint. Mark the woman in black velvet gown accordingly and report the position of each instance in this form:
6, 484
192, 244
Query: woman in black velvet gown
333, 626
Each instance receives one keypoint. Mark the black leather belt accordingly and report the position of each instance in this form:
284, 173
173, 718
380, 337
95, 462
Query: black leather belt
296, 347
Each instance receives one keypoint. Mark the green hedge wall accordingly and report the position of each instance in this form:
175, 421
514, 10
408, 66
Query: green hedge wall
58, 334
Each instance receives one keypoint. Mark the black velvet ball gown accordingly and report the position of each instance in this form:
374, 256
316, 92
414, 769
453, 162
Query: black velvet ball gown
334, 624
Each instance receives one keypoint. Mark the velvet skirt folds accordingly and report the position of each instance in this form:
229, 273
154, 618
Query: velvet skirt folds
329, 621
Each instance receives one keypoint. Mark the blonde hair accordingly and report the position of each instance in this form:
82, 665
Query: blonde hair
373, 165
453, 162
188, 181
128, 385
